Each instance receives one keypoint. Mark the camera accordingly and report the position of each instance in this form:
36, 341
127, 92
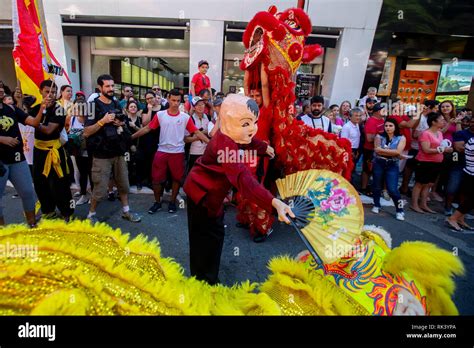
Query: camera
119, 115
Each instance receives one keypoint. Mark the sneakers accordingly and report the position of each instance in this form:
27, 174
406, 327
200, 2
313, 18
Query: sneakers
82, 200
132, 217
375, 210
172, 208
385, 195
400, 216
154, 208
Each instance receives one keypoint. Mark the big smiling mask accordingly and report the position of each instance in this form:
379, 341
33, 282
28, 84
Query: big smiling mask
239, 117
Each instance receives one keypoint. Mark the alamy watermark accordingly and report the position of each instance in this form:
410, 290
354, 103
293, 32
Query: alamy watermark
237, 156
8, 250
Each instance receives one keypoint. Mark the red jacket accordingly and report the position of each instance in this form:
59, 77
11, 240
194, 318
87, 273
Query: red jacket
211, 177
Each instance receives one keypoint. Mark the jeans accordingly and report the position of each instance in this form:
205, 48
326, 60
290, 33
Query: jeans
454, 180
20, 176
386, 171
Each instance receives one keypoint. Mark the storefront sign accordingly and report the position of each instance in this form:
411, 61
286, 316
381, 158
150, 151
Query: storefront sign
417, 86
306, 85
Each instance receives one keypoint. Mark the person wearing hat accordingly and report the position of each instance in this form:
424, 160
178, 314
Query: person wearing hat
200, 80
373, 126
80, 97
407, 119
213, 126
201, 121
369, 108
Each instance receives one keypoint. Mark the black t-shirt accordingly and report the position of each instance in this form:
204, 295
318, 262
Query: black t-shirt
53, 114
149, 142
9, 119
106, 142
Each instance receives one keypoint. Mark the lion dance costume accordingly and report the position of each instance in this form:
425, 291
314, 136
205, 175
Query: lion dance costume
275, 48
80, 269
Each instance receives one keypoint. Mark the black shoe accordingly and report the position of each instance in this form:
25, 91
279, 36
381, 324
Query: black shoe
111, 196
262, 237
241, 225
154, 208
172, 208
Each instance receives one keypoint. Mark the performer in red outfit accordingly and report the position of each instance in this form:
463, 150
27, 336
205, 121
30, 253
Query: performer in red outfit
221, 167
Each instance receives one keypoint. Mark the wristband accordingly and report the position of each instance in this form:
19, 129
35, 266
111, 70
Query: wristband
100, 123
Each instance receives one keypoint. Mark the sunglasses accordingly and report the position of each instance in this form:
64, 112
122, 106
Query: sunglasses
156, 89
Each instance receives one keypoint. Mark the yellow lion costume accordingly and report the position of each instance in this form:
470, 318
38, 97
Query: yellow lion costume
79, 269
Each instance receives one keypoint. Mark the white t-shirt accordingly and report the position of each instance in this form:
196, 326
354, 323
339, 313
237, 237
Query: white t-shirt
422, 126
322, 122
351, 131
172, 131
198, 147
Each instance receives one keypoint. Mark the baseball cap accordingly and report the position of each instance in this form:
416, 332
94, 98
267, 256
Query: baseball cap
218, 101
80, 93
196, 100
201, 62
378, 107
409, 109
370, 100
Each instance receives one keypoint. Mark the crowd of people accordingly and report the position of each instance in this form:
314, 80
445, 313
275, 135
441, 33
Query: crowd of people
394, 140
101, 142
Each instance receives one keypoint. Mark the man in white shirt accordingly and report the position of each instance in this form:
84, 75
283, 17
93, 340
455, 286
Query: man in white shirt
170, 155
316, 119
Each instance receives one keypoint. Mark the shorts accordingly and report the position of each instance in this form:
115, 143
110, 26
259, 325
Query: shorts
427, 172
101, 171
167, 162
411, 162
368, 157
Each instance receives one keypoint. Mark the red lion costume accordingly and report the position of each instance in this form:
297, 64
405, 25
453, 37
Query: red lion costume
275, 47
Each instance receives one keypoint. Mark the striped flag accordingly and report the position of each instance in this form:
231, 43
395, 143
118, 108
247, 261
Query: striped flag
34, 61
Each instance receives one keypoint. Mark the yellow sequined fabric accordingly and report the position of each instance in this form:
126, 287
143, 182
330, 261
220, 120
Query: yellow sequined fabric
79, 269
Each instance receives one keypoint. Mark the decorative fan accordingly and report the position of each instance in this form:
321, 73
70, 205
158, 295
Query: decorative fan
329, 213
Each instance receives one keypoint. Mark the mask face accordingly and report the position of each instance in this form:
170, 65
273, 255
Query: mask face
239, 117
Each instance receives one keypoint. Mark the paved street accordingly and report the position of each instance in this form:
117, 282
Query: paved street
243, 259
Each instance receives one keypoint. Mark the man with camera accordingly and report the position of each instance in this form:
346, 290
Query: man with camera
108, 141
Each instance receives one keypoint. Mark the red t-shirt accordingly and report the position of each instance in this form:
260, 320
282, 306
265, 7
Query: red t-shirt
200, 82
435, 141
404, 131
373, 126
211, 177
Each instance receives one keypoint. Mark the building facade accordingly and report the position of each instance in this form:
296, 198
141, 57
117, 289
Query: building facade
161, 41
